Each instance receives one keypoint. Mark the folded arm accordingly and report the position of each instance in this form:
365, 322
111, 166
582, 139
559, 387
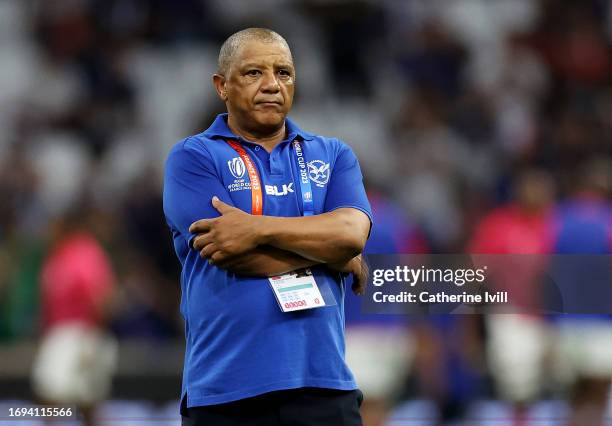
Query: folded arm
189, 183
266, 261
332, 237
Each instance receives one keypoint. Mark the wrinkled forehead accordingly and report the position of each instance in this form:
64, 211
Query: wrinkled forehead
262, 52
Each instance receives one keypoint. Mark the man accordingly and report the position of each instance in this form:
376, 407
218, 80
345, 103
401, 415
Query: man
250, 200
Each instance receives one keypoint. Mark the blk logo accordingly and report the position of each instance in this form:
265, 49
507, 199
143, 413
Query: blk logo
273, 189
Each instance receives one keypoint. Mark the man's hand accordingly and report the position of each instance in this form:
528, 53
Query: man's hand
227, 236
358, 268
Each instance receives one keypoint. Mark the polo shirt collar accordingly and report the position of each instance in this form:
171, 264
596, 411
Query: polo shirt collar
220, 129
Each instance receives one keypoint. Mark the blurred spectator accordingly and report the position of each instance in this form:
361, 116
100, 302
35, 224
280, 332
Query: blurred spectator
434, 165
339, 21
573, 42
448, 364
585, 341
147, 307
77, 356
517, 343
146, 230
21, 253
434, 59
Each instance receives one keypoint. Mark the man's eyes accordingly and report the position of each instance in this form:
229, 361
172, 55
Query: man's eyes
256, 72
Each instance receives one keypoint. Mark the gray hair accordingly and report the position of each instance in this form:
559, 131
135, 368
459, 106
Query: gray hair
238, 39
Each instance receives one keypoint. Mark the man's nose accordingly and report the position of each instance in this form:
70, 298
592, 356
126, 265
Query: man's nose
270, 83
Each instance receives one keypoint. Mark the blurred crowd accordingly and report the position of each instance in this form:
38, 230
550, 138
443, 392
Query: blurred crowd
480, 127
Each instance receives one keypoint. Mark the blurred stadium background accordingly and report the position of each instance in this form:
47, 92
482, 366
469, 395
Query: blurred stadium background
481, 125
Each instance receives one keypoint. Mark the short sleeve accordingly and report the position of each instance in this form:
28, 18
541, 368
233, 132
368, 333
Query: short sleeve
345, 188
190, 182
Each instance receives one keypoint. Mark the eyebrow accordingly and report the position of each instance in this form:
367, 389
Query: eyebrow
259, 64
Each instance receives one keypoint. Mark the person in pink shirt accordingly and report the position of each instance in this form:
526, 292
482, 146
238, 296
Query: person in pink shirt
77, 356
524, 231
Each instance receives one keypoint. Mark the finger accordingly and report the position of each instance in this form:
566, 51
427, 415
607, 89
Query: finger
361, 288
365, 272
208, 251
360, 282
358, 287
202, 240
217, 257
201, 226
220, 205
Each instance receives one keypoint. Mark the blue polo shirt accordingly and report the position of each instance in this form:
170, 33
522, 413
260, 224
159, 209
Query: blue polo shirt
238, 342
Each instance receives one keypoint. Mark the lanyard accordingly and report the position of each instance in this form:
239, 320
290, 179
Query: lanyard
304, 180
256, 195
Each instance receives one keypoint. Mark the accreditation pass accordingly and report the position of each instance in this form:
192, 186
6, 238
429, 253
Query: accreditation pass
296, 291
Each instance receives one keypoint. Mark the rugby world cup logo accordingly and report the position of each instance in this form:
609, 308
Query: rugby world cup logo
236, 167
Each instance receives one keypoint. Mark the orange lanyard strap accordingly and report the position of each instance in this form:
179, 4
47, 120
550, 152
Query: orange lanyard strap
256, 194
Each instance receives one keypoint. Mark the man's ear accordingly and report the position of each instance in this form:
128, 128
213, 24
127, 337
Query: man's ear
219, 83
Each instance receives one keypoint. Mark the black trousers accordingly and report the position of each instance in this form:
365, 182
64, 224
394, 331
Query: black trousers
295, 407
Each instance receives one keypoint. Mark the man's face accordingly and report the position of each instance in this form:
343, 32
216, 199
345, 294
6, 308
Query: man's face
259, 86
